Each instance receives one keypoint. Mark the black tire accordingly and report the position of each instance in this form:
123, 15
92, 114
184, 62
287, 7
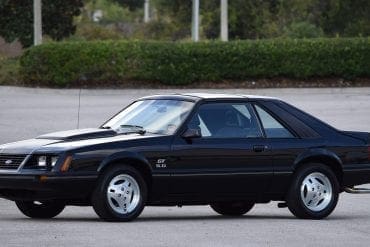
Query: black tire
295, 201
101, 203
232, 208
40, 210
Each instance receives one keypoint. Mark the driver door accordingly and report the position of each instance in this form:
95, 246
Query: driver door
230, 159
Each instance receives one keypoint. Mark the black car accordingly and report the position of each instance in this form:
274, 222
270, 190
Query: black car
228, 151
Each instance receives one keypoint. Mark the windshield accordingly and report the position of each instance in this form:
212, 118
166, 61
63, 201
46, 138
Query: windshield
154, 116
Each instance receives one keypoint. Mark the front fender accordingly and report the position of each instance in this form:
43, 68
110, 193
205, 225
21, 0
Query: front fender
121, 156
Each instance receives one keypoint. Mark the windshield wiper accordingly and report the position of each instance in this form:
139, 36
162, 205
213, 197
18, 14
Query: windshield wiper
133, 129
106, 127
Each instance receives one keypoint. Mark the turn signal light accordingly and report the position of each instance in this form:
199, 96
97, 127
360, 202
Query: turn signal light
67, 162
43, 178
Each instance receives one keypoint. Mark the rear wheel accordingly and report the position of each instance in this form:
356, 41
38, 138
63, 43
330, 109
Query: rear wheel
40, 209
120, 194
314, 192
232, 208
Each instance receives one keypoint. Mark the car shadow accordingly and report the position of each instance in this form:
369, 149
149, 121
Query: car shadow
145, 219
235, 218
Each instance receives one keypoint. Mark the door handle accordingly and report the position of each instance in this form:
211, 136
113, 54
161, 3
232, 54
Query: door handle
259, 148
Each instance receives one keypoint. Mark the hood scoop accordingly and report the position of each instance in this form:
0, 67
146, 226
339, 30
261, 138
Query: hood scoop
78, 134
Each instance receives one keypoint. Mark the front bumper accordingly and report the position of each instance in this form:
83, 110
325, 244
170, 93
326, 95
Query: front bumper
46, 187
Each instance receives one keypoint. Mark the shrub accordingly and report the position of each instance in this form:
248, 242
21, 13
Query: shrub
303, 30
66, 63
9, 70
86, 32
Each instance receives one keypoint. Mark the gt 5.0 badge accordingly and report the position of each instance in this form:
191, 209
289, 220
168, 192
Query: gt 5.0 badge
161, 163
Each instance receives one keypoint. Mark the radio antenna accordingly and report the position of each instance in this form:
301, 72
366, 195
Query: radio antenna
79, 107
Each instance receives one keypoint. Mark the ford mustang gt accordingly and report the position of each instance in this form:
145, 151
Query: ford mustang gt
226, 151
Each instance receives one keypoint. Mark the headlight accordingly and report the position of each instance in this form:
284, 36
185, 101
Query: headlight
54, 160
42, 161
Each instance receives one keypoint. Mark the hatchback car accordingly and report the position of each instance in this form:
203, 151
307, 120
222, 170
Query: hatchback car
226, 151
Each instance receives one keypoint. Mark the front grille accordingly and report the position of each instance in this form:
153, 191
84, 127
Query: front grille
11, 161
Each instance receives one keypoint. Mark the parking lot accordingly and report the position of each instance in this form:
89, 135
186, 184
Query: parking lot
28, 112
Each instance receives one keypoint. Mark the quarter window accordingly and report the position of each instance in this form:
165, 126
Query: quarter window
272, 127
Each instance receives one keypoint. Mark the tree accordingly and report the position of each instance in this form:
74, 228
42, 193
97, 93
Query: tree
132, 5
177, 13
16, 19
251, 19
347, 18
246, 17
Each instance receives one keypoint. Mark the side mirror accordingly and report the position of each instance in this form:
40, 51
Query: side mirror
191, 133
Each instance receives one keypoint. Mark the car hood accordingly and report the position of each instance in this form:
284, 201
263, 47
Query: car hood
79, 134
64, 140
24, 147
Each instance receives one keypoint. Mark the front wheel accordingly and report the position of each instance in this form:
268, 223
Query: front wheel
40, 209
232, 208
120, 194
314, 192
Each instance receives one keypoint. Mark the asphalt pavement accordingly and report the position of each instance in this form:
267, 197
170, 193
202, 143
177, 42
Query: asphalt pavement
28, 112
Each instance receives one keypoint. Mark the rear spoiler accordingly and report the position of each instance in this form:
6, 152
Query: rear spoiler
363, 136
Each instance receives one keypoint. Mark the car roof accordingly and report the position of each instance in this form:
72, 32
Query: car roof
200, 96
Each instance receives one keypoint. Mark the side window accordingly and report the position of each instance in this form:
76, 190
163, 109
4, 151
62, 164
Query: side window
273, 129
226, 120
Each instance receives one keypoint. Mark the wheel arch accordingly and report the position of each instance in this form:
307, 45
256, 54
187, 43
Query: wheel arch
324, 157
131, 159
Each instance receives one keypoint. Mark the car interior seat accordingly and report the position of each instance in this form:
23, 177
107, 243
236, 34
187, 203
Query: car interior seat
232, 126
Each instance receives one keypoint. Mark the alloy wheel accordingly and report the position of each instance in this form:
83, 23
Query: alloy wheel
123, 194
316, 191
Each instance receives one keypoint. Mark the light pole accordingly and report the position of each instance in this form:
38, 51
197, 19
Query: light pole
195, 21
224, 21
37, 22
146, 11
